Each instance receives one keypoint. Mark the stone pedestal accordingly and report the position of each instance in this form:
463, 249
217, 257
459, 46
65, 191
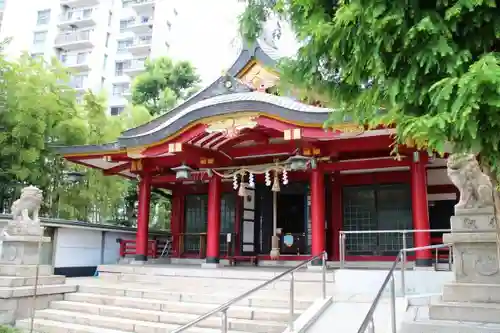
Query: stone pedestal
19, 256
473, 299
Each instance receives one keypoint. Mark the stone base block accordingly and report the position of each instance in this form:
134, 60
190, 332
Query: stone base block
475, 258
19, 308
473, 222
466, 311
15, 281
20, 249
25, 270
24, 228
471, 292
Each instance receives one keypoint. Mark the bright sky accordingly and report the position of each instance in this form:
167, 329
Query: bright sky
205, 33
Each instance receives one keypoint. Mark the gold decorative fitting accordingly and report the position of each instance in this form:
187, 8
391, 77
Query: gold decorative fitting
136, 165
135, 153
352, 129
292, 134
231, 127
175, 147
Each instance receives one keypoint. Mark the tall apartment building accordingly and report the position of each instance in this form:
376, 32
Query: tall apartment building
103, 42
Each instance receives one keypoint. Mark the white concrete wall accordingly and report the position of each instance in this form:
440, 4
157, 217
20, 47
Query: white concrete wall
77, 247
111, 252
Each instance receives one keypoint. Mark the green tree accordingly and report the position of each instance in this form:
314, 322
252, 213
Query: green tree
431, 68
37, 109
164, 84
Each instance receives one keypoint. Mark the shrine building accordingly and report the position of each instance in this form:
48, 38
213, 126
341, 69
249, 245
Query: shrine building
240, 160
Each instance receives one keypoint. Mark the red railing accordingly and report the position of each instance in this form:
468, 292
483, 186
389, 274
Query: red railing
128, 248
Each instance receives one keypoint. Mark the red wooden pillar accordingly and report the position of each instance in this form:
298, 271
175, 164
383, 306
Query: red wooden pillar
213, 225
317, 213
420, 209
144, 196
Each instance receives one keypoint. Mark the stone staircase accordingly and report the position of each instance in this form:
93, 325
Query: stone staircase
147, 299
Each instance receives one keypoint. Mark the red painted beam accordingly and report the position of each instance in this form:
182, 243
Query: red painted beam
306, 132
267, 149
181, 138
365, 164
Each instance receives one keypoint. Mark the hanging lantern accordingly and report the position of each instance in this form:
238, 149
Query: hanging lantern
182, 172
298, 162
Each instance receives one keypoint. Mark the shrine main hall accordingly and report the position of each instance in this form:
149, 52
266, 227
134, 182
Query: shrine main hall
255, 174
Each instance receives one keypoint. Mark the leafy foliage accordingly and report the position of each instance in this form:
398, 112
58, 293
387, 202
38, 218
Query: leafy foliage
433, 68
163, 84
8, 329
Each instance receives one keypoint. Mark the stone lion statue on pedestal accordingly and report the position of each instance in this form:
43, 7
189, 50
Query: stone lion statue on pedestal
30, 201
476, 190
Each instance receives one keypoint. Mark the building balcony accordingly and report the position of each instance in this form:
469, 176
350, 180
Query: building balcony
76, 63
141, 6
79, 3
137, 66
74, 40
79, 18
140, 46
140, 26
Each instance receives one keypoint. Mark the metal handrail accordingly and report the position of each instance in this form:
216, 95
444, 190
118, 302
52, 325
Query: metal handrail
224, 307
343, 233
368, 320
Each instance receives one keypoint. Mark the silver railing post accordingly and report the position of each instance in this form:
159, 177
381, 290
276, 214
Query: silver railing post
341, 249
450, 257
325, 257
223, 321
371, 326
393, 304
292, 301
403, 265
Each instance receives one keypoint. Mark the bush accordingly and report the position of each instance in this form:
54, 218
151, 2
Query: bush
8, 329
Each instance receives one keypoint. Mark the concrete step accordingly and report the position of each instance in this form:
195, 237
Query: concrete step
179, 296
471, 292
51, 326
241, 312
172, 282
41, 290
228, 273
169, 316
464, 311
417, 321
139, 326
18, 281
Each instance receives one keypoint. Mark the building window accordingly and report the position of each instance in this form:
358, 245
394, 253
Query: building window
43, 17
116, 110
120, 89
81, 57
39, 37
37, 55
78, 81
124, 44
377, 207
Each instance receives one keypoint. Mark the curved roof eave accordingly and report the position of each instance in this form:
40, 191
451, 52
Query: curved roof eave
277, 106
105, 148
259, 50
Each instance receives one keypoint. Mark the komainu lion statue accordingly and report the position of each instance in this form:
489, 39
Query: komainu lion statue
30, 201
475, 187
